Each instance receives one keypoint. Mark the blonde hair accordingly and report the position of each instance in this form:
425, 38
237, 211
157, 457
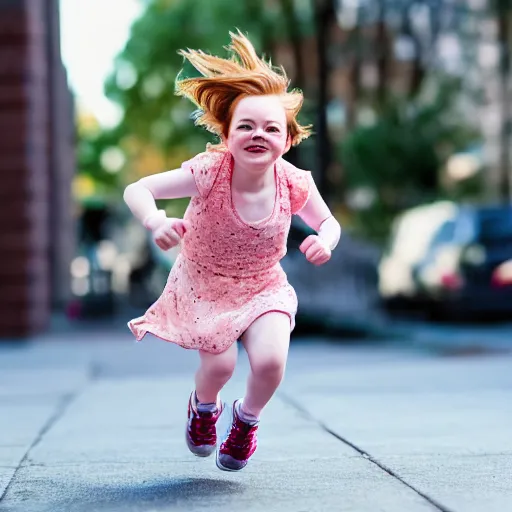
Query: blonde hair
226, 81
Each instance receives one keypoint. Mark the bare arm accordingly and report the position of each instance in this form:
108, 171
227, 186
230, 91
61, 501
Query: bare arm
141, 195
316, 215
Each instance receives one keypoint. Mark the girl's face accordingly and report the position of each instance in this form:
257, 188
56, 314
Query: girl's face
258, 133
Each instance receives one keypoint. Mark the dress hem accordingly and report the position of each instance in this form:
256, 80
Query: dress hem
144, 328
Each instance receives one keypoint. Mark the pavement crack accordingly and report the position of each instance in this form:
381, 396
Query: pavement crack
59, 411
306, 414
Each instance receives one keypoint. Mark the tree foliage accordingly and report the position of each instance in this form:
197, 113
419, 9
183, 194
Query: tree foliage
399, 157
145, 71
402, 155
156, 131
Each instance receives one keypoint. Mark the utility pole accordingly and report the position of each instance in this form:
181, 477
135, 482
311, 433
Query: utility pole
503, 16
324, 14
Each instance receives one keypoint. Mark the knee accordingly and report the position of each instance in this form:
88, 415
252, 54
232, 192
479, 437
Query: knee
221, 370
269, 368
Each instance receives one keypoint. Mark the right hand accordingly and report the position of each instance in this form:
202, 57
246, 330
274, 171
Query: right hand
167, 232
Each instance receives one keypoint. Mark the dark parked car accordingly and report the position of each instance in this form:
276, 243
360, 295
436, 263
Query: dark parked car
466, 266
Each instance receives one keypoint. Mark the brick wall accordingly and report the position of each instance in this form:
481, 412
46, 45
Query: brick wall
27, 202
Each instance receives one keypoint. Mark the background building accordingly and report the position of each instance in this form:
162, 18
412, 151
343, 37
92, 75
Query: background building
37, 166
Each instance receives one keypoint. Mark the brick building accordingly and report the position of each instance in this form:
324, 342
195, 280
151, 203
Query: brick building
36, 165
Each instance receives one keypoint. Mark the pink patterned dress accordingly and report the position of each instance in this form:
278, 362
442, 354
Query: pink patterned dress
228, 272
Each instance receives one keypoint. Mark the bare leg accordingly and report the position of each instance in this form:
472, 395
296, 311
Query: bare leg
266, 341
214, 372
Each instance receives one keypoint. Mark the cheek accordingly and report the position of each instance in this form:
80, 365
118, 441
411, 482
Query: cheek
234, 141
278, 143
238, 140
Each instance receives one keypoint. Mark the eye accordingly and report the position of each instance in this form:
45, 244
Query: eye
244, 127
273, 129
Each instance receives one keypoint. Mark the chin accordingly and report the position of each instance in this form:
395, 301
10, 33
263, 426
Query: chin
259, 157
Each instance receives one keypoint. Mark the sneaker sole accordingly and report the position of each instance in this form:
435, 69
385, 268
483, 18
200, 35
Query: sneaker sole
200, 451
224, 468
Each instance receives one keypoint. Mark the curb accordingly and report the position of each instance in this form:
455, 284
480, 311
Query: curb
346, 329
440, 340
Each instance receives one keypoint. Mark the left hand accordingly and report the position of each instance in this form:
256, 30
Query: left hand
316, 250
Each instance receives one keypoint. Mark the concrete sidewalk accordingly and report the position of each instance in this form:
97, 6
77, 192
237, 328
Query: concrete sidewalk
95, 422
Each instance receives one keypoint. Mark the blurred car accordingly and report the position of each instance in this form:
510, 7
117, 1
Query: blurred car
468, 265
461, 261
411, 236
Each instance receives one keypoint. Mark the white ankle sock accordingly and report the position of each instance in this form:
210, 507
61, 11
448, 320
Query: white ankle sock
247, 418
205, 407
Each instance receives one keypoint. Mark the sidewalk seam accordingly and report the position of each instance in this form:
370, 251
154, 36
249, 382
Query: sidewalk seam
59, 411
290, 401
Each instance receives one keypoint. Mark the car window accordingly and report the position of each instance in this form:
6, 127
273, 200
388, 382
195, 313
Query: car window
444, 235
496, 227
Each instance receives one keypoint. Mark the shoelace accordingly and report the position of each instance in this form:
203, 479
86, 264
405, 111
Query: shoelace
239, 441
203, 426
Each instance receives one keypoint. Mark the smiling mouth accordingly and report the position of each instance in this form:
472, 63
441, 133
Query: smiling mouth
256, 149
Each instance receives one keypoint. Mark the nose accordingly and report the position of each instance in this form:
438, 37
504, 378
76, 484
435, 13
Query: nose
258, 133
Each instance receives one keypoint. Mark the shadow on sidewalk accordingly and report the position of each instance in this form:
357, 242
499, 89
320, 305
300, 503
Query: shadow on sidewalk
147, 495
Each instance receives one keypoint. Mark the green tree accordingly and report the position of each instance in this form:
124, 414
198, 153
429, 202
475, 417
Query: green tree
156, 131
400, 157
145, 71
93, 154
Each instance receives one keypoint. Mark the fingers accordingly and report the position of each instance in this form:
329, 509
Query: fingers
162, 244
314, 255
316, 252
165, 242
308, 242
320, 259
166, 238
181, 227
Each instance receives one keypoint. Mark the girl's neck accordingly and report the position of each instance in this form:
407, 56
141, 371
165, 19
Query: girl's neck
254, 180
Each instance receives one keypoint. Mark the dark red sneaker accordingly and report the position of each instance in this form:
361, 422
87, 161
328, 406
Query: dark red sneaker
239, 445
201, 434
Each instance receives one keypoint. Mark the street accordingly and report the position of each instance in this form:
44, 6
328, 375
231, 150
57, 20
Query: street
92, 421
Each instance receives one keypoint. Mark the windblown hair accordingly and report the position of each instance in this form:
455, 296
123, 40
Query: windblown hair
226, 81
